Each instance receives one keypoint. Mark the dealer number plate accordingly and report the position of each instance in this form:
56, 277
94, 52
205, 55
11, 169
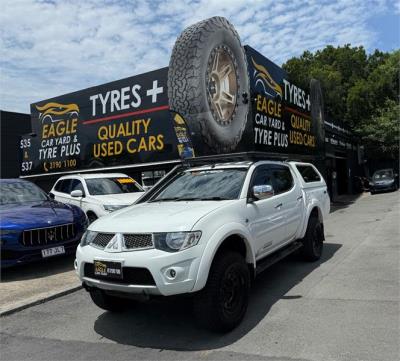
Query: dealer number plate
49, 252
108, 269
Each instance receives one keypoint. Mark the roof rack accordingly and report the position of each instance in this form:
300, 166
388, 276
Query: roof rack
242, 157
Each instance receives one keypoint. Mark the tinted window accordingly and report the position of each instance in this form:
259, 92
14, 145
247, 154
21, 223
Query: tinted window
278, 177
308, 173
66, 185
58, 186
76, 185
262, 177
282, 179
101, 186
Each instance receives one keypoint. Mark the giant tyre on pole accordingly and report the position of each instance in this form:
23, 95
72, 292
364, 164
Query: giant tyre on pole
208, 83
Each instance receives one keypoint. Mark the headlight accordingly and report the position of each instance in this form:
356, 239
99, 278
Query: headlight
8, 232
176, 241
88, 238
112, 208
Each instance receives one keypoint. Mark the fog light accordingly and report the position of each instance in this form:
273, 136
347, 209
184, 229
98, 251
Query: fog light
172, 273
76, 264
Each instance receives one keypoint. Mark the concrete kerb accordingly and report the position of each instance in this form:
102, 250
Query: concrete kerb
46, 298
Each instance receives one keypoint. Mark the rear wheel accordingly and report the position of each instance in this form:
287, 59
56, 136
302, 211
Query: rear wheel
313, 240
107, 302
222, 304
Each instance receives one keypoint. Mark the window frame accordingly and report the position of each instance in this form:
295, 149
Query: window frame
269, 166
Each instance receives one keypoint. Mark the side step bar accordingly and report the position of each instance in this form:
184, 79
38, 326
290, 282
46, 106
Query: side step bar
268, 261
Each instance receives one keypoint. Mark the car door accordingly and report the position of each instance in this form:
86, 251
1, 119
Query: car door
266, 221
289, 198
61, 190
76, 184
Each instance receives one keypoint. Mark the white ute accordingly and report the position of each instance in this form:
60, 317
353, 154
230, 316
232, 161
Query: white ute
205, 230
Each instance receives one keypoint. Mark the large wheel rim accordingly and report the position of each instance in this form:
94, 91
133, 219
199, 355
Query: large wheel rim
222, 84
232, 292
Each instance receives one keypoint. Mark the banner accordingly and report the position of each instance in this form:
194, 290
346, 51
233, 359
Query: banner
132, 121
120, 123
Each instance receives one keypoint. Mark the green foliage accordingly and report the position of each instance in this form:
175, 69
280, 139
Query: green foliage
380, 133
360, 90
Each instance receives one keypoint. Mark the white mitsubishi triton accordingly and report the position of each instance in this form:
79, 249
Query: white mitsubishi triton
205, 230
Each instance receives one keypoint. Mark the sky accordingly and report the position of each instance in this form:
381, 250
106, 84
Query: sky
49, 48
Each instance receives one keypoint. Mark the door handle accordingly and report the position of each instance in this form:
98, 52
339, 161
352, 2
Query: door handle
299, 197
278, 205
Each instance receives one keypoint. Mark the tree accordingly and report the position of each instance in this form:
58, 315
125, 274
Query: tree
380, 133
360, 90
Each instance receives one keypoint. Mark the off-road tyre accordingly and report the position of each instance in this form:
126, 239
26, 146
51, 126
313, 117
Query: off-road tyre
313, 240
107, 302
188, 83
222, 304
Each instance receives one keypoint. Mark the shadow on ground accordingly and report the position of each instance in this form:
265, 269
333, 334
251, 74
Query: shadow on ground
39, 269
344, 201
169, 323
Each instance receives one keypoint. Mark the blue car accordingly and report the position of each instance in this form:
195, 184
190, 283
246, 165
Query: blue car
33, 226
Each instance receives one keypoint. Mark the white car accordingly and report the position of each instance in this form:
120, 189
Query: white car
205, 230
97, 194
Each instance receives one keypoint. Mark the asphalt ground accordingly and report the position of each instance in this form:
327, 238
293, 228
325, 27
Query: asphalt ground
344, 307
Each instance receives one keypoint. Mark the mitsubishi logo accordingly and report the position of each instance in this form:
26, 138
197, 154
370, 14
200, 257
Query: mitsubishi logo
115, 245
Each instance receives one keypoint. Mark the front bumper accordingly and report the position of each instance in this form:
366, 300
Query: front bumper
16, 254
383, 187
157, 263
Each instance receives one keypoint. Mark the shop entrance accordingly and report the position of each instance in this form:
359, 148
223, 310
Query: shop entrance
342, 177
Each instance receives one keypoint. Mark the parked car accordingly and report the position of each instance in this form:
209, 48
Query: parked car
207, 231
97, 194
383, 180
33, 226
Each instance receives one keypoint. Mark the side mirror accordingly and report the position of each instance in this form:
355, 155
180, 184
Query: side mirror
51, 195
77, 193
263, 191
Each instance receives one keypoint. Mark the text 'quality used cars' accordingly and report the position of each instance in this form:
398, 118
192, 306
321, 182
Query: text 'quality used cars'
33, 226
206, 230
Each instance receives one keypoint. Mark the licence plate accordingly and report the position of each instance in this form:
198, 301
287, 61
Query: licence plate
48, 252
108, 269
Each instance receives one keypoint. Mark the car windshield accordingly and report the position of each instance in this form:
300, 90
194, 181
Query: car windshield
103, 186
20, 192
383, 174
213, 184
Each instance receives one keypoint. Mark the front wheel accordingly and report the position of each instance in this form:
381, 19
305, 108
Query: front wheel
313, 240
222, 304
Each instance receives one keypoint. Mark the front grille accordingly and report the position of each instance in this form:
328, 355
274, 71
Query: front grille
102, 239
133, 241
130, 276
47, 235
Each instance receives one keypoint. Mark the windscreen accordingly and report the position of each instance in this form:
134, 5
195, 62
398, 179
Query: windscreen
20, 192
103, 186
383, 174
213, 184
